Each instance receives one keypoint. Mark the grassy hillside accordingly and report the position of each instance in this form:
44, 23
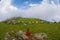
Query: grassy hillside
51, 29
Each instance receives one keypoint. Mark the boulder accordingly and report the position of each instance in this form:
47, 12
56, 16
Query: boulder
9, 36
14, 22
40, 36
21, 36
37, 22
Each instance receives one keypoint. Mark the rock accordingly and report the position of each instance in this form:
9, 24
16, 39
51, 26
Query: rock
31, 22
24, 24
37, 22
8, 22
14, 22
42, 22
9, 36
40, 36
22, 21
19, 21
44, 36
20, 35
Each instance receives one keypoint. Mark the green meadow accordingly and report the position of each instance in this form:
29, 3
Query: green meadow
51, 29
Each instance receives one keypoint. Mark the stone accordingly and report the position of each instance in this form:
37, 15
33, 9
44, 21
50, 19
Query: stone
22, 21
42, 22
14, 22
19, 35
8, 22
37, 22
41, 36
9, 36
24, 24
30, 22
19, 21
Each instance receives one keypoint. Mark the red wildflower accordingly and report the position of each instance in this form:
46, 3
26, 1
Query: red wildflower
28, 33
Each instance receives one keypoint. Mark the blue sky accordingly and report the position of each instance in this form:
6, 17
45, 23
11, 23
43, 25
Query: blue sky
42, 9
21, 3
55, 1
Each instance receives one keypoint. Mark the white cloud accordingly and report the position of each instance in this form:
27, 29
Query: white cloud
46, 11
7, 10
